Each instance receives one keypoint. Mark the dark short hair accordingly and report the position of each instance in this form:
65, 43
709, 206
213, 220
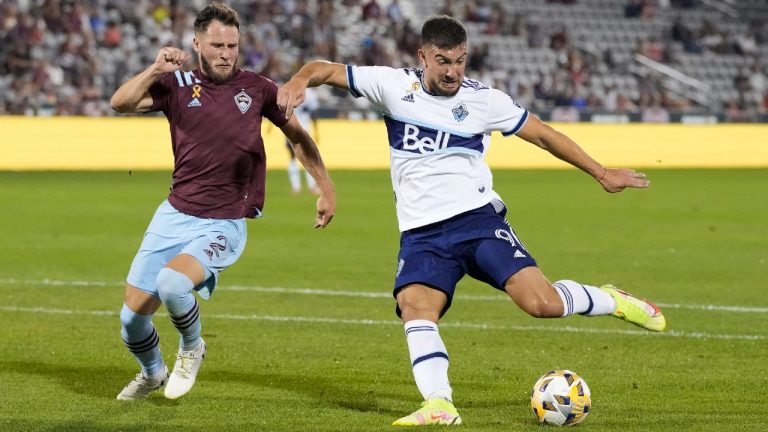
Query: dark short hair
216, 12
443, 32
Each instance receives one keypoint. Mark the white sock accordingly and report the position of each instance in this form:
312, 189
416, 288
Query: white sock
584, 299
294, 176
311, 183
429, 359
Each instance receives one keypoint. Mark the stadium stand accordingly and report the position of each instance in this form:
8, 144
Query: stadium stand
647, 60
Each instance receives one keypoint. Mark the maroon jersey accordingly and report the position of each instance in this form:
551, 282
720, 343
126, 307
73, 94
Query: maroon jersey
219, 160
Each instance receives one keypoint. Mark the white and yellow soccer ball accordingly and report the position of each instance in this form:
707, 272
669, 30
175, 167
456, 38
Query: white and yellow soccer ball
561, 397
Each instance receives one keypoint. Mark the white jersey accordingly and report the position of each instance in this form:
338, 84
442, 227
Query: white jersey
437, 144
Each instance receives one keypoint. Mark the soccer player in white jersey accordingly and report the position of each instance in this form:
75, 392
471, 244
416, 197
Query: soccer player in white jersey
452, 223
308, 120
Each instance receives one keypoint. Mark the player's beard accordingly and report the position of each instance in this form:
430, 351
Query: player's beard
214, 75
434, 87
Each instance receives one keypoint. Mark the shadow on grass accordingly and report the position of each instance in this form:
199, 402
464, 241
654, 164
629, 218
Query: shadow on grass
333, 391
87, 380
101, 382
77, 425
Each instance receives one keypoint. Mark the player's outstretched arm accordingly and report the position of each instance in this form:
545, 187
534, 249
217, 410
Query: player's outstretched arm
133, 96
307, 153
561, 146
291, 94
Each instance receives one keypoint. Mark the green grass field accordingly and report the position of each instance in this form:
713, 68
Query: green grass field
301, 331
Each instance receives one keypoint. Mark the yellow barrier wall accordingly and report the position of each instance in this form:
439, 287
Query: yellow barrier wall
75, 143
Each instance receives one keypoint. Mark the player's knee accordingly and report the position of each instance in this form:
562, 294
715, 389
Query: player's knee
172, 284
411, 309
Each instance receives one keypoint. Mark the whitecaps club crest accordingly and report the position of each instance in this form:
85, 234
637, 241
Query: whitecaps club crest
243, 101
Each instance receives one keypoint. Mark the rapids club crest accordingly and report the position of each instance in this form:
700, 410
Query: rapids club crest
460, 112
243, 101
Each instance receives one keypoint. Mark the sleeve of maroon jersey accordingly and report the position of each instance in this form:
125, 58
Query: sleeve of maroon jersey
160, 91
270, 109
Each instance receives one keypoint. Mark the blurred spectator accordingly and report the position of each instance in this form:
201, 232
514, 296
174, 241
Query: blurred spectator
371, 10
652, 48
497, 21
537, 37
65, 56
559, 40
394, 13
655, 114
683, 34
112, 35
711, 38
625, 105
449, 8
764, 104
523, 95
519, 27
736, 111
565, 114
633, 9
478, 57
758, 82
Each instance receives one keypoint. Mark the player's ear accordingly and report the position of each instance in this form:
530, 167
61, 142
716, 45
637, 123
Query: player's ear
422, 57
196, 44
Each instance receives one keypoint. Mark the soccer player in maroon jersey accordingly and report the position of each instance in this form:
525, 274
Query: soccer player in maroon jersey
215, 115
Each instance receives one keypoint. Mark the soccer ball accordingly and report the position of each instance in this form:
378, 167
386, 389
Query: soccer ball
561, 398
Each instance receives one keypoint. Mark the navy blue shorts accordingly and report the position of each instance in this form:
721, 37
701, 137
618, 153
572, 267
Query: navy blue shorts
479, 243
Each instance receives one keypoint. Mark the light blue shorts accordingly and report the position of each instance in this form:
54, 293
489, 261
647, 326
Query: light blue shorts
216, 243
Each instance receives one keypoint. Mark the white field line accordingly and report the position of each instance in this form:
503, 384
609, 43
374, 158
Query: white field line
393, 323
363, 294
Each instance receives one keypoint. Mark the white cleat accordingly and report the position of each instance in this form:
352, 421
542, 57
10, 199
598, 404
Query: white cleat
143, 385
185, 372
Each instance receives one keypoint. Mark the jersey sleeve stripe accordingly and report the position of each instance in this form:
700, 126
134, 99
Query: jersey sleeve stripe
188, 77
351, 81
178, 78
517, 128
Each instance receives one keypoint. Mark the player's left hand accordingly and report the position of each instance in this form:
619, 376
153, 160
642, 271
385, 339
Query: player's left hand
617, 179
326, 209
290, 95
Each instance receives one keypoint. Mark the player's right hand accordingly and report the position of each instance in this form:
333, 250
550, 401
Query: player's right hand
290, 95
170, 59
617, 179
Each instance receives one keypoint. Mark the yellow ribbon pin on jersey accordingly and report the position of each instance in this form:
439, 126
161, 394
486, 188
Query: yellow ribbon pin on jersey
196, 90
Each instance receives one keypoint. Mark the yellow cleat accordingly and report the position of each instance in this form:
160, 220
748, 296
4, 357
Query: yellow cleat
432, 412
637, 311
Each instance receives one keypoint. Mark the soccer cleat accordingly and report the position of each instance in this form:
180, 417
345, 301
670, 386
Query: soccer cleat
185, 372
143, 385
637, 311
432, 412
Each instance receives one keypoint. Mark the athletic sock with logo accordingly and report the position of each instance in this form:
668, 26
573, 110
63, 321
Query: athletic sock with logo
429, 359
584, 299
142, 340
175, 291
